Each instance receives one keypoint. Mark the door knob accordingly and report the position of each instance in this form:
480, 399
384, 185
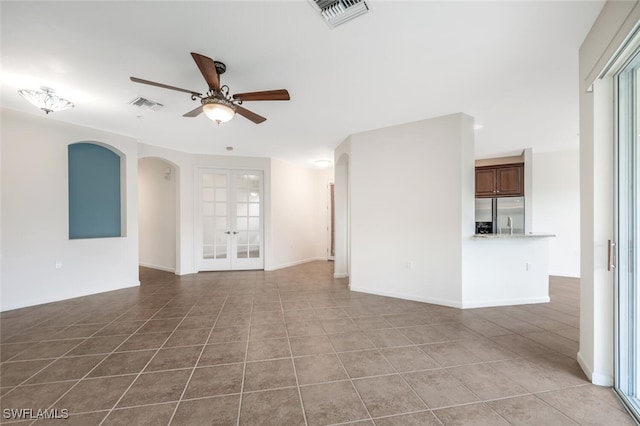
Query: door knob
235, 232
227, 232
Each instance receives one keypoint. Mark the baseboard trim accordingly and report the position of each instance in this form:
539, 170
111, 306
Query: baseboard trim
583, 364
405, 296
598, 379
602, 380
504, 302
452, 303
343, 275
290, 264
42, 301
159, 268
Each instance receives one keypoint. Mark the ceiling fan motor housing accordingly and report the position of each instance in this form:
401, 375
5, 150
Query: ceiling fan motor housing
220, 67
220, 100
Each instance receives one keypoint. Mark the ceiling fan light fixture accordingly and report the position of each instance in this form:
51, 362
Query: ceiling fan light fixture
218, 110
45, 99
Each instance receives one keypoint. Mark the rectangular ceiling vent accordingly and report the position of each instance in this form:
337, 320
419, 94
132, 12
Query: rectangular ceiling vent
146, 104
337, 12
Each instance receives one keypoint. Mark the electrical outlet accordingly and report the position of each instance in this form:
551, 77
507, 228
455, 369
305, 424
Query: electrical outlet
58, 264
409, 264
527, 266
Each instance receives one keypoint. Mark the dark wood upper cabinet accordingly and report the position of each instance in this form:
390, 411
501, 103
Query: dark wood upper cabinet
505, 180
485, 182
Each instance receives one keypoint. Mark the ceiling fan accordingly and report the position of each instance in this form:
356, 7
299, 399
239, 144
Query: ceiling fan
217, 103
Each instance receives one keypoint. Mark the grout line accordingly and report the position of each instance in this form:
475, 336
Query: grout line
535, 395
156, 351
244, 366
89, 372
53, 360
204, 347
114, 351
390, 416
343, 306
295, 371
353, 386
404, 380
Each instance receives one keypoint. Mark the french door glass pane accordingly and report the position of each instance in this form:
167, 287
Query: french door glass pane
248, 215
214, 212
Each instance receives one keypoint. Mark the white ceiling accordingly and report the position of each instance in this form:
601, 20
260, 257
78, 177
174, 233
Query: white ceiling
511, 65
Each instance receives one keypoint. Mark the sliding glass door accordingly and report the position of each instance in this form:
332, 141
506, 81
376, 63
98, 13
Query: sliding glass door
628, 234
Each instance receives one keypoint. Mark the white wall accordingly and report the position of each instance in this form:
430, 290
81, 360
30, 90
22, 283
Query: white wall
407, 204
411, 210
35, 228
157, 214
298, 214
187, 164
34, 182
294, 206
612, 26
556, 208
505, 271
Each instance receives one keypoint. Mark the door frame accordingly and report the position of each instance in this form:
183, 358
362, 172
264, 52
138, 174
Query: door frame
625, 248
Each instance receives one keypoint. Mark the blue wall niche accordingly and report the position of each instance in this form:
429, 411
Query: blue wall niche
94, 192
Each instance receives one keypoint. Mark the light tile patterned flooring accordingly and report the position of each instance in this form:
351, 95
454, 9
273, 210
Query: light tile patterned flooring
296, 347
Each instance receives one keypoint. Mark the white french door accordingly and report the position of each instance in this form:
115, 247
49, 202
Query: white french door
229, 224
627, 301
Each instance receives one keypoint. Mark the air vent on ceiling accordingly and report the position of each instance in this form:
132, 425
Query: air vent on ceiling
146, 104
336, 12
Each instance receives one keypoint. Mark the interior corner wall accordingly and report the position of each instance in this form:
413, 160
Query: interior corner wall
157, 214
298, 214
614, 23
556, 208
35, 227
406, 209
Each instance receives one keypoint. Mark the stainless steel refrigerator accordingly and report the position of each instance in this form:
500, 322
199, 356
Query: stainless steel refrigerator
500, 215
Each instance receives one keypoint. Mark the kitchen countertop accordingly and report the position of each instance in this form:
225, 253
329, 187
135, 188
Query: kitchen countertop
507, 236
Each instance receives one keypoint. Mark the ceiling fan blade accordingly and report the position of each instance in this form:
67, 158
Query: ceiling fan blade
267, 95
208, 69
249, 115
164, 86
194, 113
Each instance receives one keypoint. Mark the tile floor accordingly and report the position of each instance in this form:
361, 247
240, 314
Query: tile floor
295, 347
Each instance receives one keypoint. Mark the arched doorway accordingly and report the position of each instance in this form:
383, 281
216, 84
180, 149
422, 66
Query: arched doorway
341, 194
157, 214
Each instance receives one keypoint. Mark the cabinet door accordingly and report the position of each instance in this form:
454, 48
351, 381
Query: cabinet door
485, 182
510, 181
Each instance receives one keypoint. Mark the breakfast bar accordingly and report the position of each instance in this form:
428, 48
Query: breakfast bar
506, 270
